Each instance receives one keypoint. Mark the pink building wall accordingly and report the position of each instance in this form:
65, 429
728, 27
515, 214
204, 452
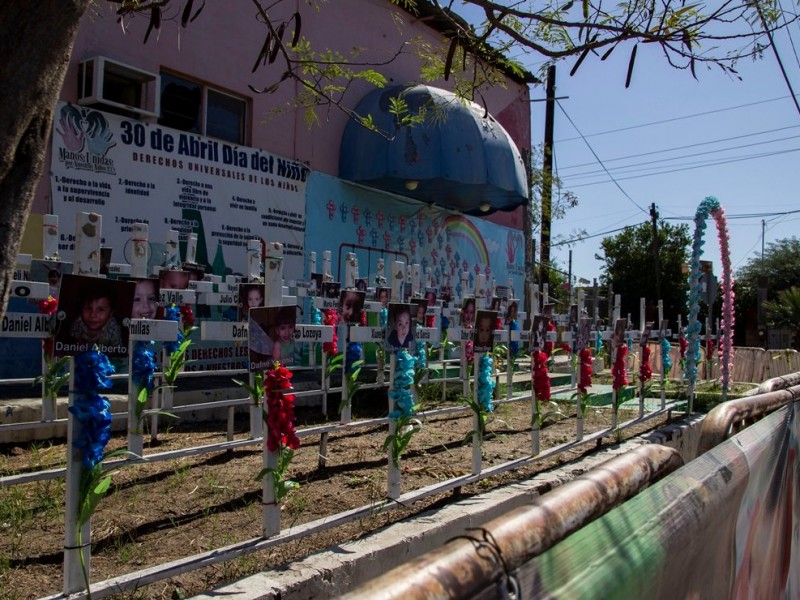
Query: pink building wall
220, 48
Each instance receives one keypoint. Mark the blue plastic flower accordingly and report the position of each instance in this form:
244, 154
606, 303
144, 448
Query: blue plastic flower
403, 378
144, 365
666, 359
352, 355
485, 383
91, 410
514, 346
421, 357
173, 313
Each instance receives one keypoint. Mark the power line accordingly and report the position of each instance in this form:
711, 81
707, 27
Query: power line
700, 114
597, 158
594, 235
632, 167
789, 33
777, 55
741, 216
690, 168
675, 148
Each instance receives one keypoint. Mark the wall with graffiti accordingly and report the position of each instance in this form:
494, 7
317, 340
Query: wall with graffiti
345, 218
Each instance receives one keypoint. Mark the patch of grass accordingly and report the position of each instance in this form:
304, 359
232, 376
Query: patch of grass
295, 505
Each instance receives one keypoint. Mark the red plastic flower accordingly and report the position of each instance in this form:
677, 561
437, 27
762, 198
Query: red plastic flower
541, 379
565, 347
280, 410
548, 346
684, 344
331, 319
469, 348
187, 316
585, 370
618, 371
430, 320
48, 306
645, 369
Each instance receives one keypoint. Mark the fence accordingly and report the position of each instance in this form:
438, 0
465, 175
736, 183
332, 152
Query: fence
477, 471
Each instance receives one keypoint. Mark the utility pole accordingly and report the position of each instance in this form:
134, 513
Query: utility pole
654, 221
547, 175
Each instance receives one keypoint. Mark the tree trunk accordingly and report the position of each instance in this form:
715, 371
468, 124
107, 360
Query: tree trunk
36, 42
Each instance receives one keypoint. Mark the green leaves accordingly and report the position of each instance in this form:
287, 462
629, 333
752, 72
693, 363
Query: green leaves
542, 419
398, 442
55, 377
95, 485
281, 485
95, 492
177, 360
256, 391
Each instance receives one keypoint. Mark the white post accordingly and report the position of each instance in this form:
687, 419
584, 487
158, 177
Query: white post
256, 418
662, 336
415, 277
347, 409
509, 370
139, 249
612, 358
477, 437
617, 308
191, 249
50, 238
393, 475
76, 542
326, 266
172, 257
398, 278
534, 292
271, 515
380, 272
87, 244
326, 384
49, 403
480, 291
255, 261
349, 270
312, 347
535, 433
642, 345
135, 438
273, 275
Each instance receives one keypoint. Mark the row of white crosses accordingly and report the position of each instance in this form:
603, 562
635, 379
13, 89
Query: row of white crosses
87, 257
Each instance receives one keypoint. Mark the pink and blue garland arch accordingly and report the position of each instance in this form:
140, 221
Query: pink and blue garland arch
710, 206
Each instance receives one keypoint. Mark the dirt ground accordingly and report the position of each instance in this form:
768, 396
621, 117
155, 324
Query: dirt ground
172, 509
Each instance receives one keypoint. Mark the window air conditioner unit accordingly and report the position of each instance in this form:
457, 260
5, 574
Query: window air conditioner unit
120, 88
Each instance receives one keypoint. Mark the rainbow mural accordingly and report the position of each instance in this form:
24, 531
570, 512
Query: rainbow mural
462, 229
343, 218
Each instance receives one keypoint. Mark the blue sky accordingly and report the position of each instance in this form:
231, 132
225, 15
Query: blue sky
702, 116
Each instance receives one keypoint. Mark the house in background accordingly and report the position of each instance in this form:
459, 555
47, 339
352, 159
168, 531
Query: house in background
173, 133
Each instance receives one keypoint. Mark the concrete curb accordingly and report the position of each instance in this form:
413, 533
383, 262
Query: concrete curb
333, 572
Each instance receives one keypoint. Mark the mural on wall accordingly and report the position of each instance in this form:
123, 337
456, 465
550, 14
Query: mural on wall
344, 218
132, 171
